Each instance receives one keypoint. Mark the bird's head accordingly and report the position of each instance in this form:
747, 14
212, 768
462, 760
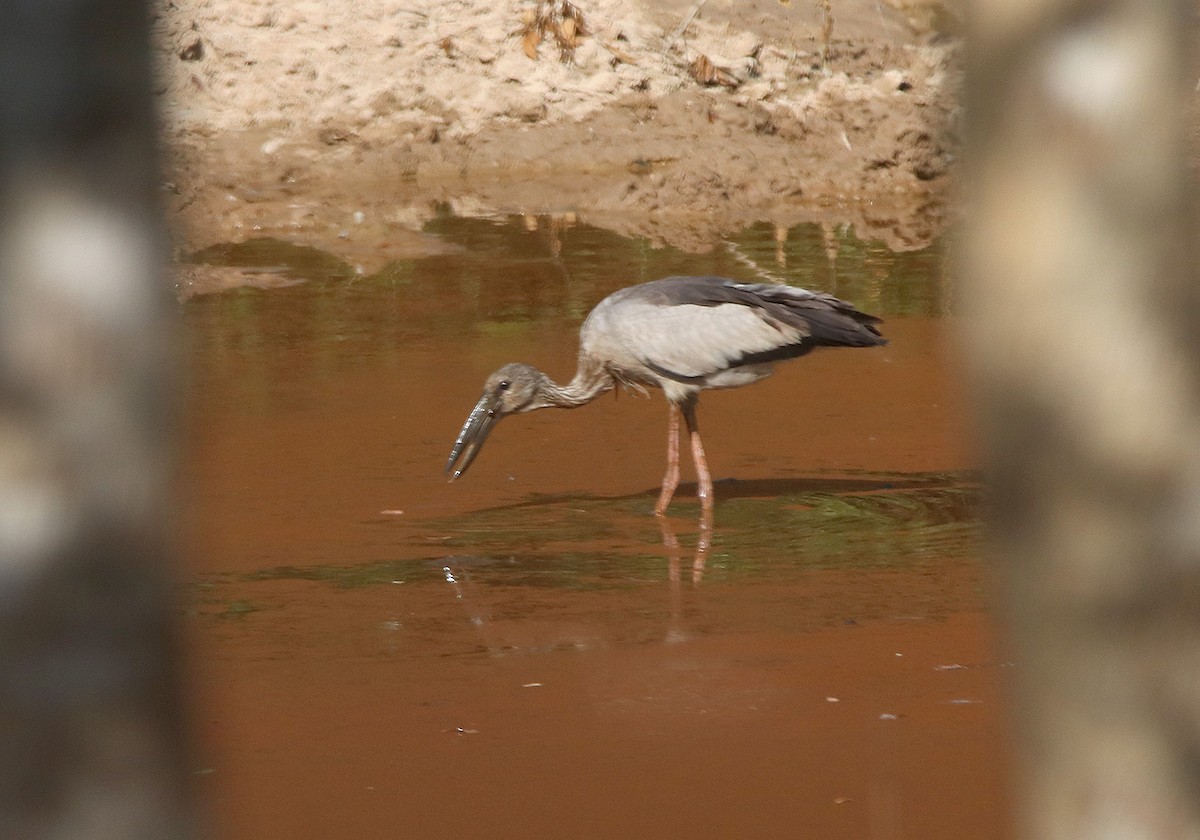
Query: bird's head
510, 390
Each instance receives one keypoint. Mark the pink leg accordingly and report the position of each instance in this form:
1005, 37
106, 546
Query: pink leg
671, 478
704, 486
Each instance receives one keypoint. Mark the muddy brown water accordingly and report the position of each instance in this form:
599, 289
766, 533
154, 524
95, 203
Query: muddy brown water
527, 652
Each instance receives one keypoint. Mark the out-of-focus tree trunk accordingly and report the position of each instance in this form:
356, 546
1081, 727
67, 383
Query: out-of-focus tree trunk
90, 736
1083, 323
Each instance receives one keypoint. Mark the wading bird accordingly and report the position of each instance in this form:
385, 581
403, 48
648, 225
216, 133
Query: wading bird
680, 334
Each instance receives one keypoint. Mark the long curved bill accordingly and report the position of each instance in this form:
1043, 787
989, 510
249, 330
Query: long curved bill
470, 439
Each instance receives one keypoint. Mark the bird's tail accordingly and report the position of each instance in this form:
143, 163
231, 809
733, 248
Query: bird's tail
825, 320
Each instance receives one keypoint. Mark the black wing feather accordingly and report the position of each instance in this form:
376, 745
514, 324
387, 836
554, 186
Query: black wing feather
824, 320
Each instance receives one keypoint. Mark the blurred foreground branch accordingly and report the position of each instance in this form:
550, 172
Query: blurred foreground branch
1082, 301
90, 737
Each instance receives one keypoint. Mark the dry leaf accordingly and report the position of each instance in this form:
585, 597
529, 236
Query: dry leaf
529, 43
563, 20
618, 55
564, 33
707, 73
571, 12
567, 32
724, 77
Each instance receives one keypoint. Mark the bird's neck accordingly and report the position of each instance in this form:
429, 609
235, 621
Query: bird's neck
589, 383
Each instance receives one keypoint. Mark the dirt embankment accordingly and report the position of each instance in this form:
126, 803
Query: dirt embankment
345, 125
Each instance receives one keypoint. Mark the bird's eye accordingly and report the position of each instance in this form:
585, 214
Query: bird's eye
504, 383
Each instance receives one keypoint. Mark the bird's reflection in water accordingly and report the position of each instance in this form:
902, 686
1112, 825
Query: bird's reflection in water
675, 553
675, 627
500, 640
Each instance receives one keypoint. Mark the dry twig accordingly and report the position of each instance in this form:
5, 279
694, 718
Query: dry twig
684, 24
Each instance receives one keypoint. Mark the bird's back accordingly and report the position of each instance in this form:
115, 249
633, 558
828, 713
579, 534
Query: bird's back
688, 333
